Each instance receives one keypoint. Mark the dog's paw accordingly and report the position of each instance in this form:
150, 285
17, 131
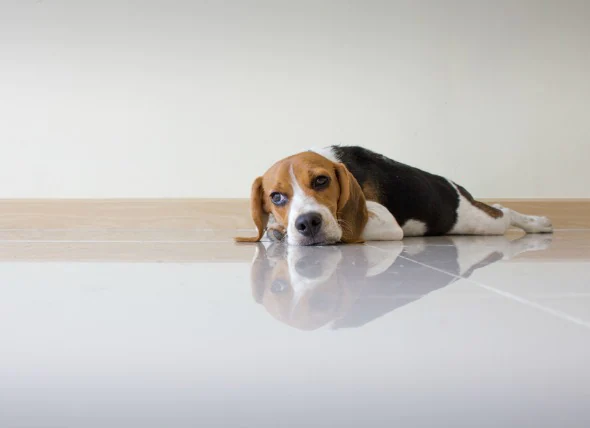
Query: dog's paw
275, 234
533, 242
534, 224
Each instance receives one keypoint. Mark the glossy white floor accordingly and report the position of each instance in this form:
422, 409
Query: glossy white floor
164, 329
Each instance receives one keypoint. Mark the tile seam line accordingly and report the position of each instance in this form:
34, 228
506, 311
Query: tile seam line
521, 300
514, 297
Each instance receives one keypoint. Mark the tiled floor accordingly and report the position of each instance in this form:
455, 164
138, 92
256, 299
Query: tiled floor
177, 329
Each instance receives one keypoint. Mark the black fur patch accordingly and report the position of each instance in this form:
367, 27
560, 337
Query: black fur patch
407, 192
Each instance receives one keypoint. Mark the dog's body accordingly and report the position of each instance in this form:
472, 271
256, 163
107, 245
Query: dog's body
351, 194
344, 286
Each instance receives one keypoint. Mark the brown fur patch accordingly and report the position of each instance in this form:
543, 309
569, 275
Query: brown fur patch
489, 210
352, 207
371, 191
272, 270
306, 167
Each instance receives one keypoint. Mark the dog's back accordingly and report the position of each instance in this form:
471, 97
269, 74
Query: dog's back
427, 204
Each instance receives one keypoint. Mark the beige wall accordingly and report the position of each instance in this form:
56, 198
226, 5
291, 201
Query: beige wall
155, 98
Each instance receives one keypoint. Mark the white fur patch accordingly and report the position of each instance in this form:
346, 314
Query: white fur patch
328, 259
528, 223
326, 152
414, 228
473, 250
381, 226
301, 203
473, 221
381, 255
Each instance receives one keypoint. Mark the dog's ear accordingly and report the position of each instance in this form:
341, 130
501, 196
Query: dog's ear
259, 271
352, 206
259, 215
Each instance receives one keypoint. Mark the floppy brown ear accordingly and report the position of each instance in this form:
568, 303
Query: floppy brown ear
259, 215
258, 273
352, 206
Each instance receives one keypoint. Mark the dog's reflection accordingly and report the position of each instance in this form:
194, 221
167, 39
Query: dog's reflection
351, 285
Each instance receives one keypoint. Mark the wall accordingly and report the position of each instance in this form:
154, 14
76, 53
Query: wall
155, 98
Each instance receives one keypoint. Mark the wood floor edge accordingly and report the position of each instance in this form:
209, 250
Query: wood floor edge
146, 214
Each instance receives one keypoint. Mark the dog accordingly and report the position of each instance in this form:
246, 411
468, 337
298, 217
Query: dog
349, 286
349, 194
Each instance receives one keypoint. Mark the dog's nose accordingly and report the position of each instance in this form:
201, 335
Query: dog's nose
309, 267
309, 224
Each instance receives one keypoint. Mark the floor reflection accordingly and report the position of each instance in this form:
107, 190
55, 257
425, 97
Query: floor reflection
351, 285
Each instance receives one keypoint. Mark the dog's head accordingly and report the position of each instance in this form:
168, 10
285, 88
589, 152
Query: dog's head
306, 287
311, 287
313, 201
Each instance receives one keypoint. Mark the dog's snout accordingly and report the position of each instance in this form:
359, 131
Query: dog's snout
309, 224
309, 267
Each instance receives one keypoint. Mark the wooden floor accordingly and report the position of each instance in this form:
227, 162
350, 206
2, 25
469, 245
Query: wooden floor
199, 230
190, 214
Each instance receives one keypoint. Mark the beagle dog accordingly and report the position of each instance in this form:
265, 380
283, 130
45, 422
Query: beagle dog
350, 194
348, 286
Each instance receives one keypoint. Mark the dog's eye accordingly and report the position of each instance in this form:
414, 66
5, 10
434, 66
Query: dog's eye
278, 198
278, 286
320, 182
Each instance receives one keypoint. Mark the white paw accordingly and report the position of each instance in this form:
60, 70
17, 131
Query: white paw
381, 225
533, 243
535, 224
